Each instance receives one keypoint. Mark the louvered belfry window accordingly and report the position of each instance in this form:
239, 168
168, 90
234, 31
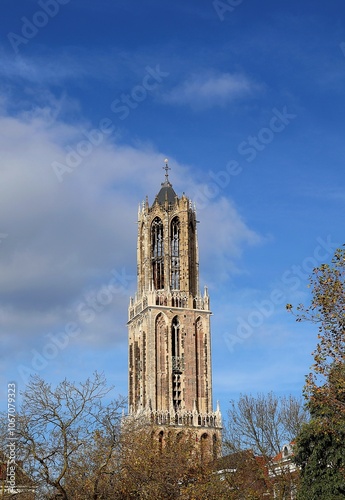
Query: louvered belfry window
157, 253
175, 254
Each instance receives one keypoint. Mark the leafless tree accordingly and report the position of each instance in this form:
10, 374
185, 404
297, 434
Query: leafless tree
68, 436
259, 426
263, 423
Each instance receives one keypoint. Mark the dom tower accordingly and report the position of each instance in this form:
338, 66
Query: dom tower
170, 376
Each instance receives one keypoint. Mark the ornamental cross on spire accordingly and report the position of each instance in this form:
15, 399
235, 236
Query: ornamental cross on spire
166, 168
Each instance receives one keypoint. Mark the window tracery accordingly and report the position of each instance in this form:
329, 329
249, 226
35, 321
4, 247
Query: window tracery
175, 254
157, 253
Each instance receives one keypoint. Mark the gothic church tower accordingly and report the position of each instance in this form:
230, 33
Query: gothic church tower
170, 376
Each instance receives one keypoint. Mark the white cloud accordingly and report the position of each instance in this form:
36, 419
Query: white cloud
45, 68
203, 91
223, 237
66, 239
114, 66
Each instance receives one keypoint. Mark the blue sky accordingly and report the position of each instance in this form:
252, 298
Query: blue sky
247, 101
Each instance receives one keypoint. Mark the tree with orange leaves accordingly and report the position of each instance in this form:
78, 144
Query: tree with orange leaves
320, 450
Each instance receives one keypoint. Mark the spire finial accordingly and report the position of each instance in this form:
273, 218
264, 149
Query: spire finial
166, 168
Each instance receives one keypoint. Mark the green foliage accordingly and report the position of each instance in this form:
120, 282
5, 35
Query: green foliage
320, 451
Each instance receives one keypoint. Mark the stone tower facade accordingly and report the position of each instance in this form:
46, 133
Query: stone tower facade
170, 377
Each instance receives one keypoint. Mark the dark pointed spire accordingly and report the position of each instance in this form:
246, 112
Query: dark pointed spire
166, 168
167, 192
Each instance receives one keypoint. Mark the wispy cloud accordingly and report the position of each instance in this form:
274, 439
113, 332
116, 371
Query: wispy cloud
224, 246
78, 64
40, 69
204, 91
326, 193
65, 238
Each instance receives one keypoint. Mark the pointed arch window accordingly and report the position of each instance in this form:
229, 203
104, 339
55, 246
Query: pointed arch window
175, 254
177, 363
175, 342
204, 445
161, 347
157, 253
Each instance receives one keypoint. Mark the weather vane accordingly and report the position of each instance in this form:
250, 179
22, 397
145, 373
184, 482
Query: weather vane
166, 168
